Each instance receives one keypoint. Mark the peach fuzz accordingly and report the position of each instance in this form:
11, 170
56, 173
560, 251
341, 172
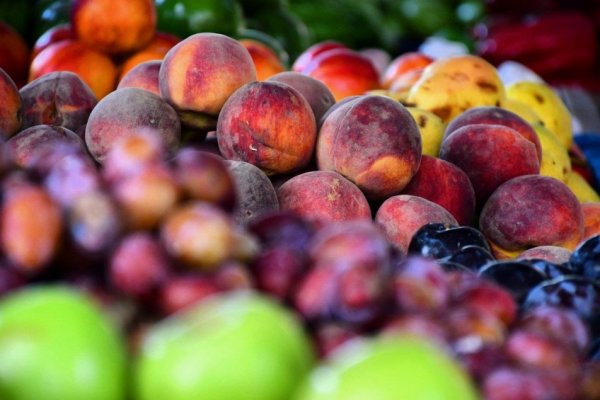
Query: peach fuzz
311, 52
490, 155
11, 107
268, 124
344, 71
591, 219
125, 112
452, 188
193, 81
114, 27
401, 216
52, 35
530, 211
143, 76
373, 141
59, 98
14, 54
96, 69
495, 116
315, 92
403, 64
265, 60
322, 197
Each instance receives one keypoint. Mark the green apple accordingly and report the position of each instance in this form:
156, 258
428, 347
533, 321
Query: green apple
236, 345
56, 345
388, 369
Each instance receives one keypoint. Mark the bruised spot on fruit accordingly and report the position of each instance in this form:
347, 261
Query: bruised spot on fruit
443, 112
497, 103
422, 121
538, 98
487, 86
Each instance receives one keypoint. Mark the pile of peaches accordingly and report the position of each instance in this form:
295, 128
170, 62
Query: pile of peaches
152, 172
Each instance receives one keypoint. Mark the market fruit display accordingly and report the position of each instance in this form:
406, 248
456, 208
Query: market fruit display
344, 223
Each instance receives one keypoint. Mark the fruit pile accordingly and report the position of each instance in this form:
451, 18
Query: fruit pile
220, 227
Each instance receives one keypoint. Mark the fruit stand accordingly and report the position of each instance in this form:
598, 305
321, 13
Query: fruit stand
271, 199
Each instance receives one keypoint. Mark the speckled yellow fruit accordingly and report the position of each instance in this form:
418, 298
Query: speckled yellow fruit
522, 110
555, 158
542, 99
431, 128
450, 86
584, 192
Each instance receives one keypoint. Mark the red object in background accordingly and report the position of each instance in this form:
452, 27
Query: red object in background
14, 54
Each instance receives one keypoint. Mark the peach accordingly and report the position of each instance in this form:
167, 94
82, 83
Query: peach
52, 35
268, 124
59, 98
26, 147
315, 92
97, 70
11, 107
553, 254
490, 155
155, 50
142, 76
125, 112
194, 83
452, 189
591, 219
265, 60
323, 197
255, 195
311, 52
374, 142
401, 216
529, 211
14, 54
114, 27
379, 57
497, 116
344, 71
403, 64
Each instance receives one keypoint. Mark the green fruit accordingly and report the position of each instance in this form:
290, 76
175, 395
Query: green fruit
388, 369
238, 345
56, 345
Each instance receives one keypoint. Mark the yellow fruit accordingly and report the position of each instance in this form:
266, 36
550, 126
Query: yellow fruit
450, 86
431, 128
555, 158
522, 110
581, 188
548, 106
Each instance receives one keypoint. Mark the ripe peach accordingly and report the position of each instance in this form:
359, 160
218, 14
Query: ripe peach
52, 35
59, 98
193, 82
310, 53
374, 142
452, 189
14, 54
401, 216
315, 92
265, 60
268, 124
529, 211
490, 155
402, 64
114, 27
344, 71
94, 68
497, 116
30, 144
158, 47
322, 197
591, 219
554, 254
11, 107
142, 76
126, 111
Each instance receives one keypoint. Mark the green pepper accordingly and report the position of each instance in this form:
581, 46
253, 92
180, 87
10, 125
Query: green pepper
17, 14
48, 14
187, 17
